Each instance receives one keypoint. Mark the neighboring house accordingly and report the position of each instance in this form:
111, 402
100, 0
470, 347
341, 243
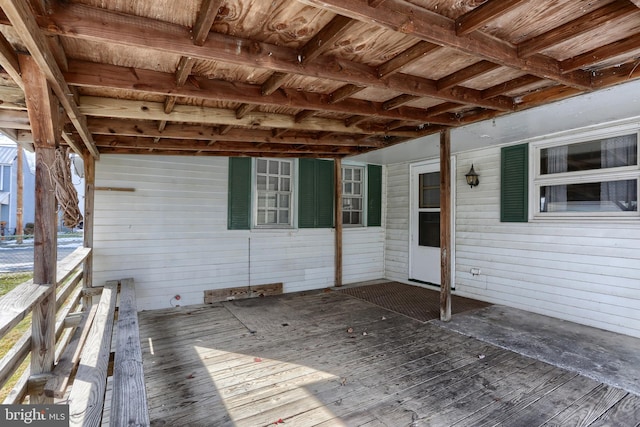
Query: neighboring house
561, 238
9, 189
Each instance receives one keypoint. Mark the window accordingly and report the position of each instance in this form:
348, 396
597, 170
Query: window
273, 192
352, 195
286, 193
598, 177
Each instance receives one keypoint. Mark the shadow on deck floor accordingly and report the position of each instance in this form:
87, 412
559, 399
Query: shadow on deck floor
327, 359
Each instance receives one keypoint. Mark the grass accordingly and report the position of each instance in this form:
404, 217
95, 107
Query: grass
7, 283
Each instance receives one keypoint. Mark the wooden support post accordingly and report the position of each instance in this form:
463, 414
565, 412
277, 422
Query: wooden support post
445, 225
89, 198
20, 196
337, 177
44, 116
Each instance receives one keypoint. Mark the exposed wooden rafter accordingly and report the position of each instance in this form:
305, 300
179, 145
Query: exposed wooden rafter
25, 24
432, 27
84, 22
104, 107
108, 76
343, 77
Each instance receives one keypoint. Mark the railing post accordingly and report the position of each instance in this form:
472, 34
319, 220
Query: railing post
44, 114
89, 197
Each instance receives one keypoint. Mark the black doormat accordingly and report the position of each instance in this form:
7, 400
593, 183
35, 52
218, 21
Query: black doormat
412, 301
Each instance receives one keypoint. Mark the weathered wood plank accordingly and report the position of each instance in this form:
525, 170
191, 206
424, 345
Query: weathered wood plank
313, 371
56, 386
89, 205
242, 292
593, 405
87, 394
17, 303
625, 412
129, 402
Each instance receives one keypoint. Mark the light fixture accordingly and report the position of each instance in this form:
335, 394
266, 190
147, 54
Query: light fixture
472, 177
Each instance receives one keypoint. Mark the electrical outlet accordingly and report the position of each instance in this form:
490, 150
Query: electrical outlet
475, 271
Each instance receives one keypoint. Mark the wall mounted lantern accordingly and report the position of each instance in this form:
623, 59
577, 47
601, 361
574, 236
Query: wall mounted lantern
472, 177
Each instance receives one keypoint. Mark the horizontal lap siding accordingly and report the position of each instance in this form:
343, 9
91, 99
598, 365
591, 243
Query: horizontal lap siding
362, 254
397, 223
587, 272
171, 236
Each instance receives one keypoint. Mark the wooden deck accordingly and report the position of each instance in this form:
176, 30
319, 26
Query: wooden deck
328, 359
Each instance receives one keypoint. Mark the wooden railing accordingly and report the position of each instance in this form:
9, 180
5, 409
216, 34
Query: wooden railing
83, 348
18, 303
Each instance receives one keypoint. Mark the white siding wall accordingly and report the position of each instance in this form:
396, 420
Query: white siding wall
397, 223
171, 236
587, 272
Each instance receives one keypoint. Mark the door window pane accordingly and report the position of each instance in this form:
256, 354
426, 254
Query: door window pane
429, 229
429, 190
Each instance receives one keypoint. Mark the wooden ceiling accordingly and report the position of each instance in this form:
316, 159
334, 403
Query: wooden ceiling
303, 78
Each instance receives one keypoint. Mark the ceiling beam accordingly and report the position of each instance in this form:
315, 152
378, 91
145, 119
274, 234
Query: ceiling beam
79, 21
576, 27
255, 153
14, 119
484, 14
86, 74
123, 127
23, 21
191, 145
142, 110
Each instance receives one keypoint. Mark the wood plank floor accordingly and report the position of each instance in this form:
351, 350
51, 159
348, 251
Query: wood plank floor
328, 359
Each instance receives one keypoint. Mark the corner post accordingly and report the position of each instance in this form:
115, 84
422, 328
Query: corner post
89, 200
44, 111
445, 225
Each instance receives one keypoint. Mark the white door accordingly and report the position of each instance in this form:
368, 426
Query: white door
425, 223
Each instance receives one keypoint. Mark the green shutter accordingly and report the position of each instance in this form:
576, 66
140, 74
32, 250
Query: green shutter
324, 193
374, 195
306, 193
514, 182
239, 210
315, 193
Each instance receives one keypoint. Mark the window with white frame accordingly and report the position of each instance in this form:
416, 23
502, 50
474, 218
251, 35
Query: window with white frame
273, 179
352, 195
596, 177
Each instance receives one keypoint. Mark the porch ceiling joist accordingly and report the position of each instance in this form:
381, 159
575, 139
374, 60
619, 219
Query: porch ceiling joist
218, 146
142, 110
122, 127
89, 23
19, 13
435, 28
85, 74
